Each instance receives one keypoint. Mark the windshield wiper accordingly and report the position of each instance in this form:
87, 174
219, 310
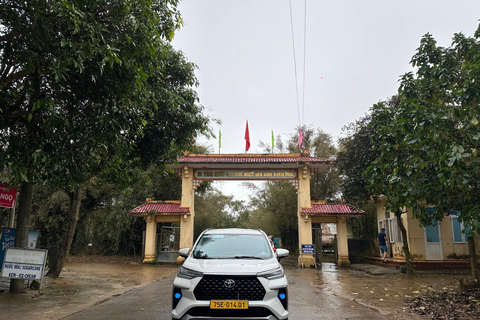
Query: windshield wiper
248, 257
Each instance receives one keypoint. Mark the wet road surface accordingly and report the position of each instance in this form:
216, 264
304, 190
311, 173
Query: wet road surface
310, 298
104, 288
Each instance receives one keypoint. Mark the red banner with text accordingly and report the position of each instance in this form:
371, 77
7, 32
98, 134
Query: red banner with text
8, 196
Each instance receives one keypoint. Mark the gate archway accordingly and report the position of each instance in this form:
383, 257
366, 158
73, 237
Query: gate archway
294, 168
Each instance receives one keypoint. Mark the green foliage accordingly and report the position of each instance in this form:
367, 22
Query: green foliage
85, 86
215, 210
355, 156
428, 143
276, 212
364, 227
50, 212
104, 220
320, 144
108, 224
91, 89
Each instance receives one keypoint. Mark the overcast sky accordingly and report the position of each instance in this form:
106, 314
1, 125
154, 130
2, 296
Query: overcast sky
356, 50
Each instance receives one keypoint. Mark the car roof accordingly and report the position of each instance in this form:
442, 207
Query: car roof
233, 231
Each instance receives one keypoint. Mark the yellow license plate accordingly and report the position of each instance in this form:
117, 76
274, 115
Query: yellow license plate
229, 304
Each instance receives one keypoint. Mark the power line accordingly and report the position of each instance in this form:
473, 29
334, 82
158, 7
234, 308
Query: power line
304, 58
301, 114
294, 61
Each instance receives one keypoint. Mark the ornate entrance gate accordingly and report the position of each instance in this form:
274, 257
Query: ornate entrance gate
294, 168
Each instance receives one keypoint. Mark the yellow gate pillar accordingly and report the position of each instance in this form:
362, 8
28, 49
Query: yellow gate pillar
150, 239
342, 242
304, 222
186, 222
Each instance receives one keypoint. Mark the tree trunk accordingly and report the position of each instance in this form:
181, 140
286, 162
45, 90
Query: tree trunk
64, 251
473, 259
406, 250
21, 237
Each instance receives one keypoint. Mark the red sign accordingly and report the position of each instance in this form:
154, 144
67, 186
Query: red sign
7, 196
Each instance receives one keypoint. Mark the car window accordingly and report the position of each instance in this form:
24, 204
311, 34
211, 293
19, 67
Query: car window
232, 246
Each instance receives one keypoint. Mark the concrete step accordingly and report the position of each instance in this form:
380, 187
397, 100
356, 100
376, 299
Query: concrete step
422, 265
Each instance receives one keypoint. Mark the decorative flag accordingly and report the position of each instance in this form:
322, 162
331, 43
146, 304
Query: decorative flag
273, 141
219, 139
300, 138
247, 138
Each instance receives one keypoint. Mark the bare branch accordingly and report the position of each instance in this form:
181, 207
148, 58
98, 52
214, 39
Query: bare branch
12, 77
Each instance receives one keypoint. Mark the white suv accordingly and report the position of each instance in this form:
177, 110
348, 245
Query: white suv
231, 274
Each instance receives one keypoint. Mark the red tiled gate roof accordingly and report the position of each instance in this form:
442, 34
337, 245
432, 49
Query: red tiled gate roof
245, 158
161, 207
332, 209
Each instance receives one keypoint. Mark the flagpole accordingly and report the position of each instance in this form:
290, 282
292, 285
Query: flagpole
273, 142
219, 140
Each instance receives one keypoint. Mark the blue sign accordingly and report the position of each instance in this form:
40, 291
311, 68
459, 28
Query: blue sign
277, 241
308, 249
7, 240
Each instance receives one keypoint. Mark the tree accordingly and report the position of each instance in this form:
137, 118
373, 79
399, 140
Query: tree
275, 211
215, 210
355, 155
325, 185
429, 143
83, 85
383, 171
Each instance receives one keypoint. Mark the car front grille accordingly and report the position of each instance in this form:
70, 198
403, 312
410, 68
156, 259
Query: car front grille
215, 287
254, 312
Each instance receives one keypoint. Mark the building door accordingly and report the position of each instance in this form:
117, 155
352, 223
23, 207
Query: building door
433, 245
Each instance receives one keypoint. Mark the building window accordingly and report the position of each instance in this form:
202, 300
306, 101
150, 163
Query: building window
393, 231
381, 225
457, 228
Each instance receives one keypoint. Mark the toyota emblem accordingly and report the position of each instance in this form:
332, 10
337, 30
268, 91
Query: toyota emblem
229, 283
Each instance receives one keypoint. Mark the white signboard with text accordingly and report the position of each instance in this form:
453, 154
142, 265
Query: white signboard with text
26, 264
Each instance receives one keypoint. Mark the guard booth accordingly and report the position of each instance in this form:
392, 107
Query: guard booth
297, 169
337, 213
162, 246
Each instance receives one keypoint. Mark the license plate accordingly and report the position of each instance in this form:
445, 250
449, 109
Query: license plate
229, 304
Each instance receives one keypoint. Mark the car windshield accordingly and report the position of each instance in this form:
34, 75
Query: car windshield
232, 246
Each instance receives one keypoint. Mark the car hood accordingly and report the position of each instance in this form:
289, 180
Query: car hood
230, 266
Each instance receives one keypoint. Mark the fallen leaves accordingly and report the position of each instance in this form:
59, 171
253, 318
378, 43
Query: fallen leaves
447, 305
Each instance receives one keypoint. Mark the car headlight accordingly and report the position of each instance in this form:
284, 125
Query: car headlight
188, 273
272, 273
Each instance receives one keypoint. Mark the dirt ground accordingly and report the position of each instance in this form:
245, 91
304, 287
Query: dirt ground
85, 281
89, 280
427, 295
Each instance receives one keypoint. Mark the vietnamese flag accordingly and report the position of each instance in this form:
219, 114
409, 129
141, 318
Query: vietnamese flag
247, 138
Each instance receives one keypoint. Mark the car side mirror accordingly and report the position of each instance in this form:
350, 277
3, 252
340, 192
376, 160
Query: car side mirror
183, 252
282, 253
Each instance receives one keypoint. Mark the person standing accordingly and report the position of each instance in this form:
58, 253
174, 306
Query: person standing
382, 241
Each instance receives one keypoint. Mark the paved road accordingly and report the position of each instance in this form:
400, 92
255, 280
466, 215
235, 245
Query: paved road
308, 300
